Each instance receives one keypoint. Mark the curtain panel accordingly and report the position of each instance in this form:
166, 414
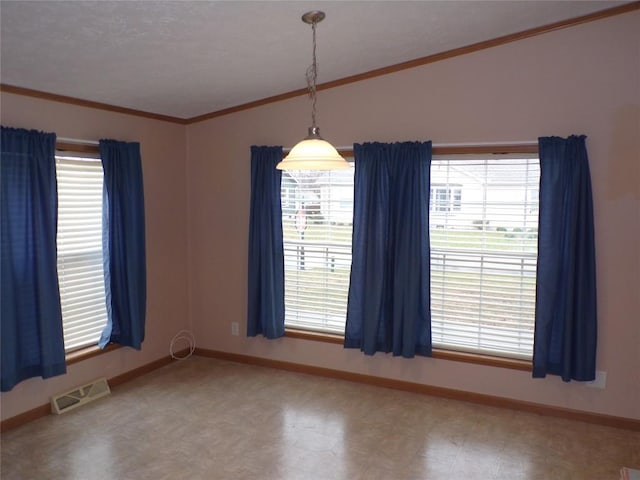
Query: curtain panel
389, 305
31, 317
265, 308
566, 314
124, 244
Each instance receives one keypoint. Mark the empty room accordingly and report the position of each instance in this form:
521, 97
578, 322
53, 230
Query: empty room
197, 281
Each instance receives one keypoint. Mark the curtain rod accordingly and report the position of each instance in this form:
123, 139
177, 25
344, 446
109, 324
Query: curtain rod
461, 145
435, 145
76, 140
485, 144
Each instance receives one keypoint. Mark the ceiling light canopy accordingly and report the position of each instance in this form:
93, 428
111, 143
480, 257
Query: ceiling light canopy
314, 152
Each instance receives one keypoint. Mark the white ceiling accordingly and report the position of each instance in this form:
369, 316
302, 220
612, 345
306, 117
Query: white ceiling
188, 58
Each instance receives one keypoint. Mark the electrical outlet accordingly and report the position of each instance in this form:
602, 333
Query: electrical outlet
600, 381
235, 329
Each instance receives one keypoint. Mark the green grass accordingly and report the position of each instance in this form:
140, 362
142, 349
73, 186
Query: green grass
317, 232
439, 238
482, 239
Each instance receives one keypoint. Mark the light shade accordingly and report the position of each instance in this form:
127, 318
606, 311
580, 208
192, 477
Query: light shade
313, 153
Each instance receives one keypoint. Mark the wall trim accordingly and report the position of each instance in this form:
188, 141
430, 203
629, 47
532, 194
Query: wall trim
438, 353
25, 417
88, 352
114, 382
29, 92
477, 398
418, 62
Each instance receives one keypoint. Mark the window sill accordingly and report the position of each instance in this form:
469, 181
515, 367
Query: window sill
88, 352
438, 353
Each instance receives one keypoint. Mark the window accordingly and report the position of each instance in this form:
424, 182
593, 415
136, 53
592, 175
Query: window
317, 218
483, 254
80, 268
445, 198
483, 234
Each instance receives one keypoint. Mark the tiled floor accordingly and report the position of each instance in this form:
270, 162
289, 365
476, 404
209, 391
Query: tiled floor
209, 419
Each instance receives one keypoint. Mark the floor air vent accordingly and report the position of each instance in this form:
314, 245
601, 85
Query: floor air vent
79, 396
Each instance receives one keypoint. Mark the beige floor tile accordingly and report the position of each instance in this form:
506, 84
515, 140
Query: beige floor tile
210, 419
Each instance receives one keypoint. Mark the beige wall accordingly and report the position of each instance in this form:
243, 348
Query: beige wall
583, 80
163, 157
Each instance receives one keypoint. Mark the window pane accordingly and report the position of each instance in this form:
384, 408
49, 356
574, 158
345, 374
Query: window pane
317, 216
80, 269
483, 234
483, 254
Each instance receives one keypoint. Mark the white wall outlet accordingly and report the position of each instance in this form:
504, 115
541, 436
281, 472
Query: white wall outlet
235, 329
600, 381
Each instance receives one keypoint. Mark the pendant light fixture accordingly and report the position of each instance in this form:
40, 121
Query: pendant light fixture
314, 152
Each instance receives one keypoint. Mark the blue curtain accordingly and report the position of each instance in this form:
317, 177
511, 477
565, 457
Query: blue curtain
124, 244
265, 309
566, 320
389, 306
31, 318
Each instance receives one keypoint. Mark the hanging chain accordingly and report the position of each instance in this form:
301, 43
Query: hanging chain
312, 76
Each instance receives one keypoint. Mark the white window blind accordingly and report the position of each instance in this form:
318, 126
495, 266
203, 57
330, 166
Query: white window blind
80, 268
483, 236
317, 216
483, 254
